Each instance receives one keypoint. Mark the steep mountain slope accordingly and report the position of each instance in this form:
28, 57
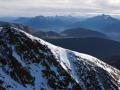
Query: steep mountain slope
29, 63
82, 33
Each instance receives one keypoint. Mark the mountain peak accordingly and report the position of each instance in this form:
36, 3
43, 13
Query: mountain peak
103, 17
106, 16
37, 17
28, 63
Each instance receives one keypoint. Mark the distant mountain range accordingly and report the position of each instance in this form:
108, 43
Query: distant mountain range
82, 33
69, 33
41, 34
102, 23
78, 37
56, 23
95, 43
8, 19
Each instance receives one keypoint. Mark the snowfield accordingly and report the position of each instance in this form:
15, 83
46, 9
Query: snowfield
84, 71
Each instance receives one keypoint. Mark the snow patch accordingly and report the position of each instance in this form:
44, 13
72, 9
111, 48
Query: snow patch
17, 56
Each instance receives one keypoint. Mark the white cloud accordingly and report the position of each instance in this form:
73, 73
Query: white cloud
53, 7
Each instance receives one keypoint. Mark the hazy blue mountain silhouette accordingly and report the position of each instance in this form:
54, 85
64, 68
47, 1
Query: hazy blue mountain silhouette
103, 23
82, 33
55, 23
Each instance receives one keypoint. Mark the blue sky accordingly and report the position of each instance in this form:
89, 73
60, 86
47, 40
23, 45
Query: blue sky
58, 7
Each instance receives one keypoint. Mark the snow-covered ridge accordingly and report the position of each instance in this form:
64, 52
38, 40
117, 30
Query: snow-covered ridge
89, 72
63, 51
65, 62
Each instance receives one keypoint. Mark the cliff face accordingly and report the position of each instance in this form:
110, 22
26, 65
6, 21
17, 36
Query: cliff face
29, 63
